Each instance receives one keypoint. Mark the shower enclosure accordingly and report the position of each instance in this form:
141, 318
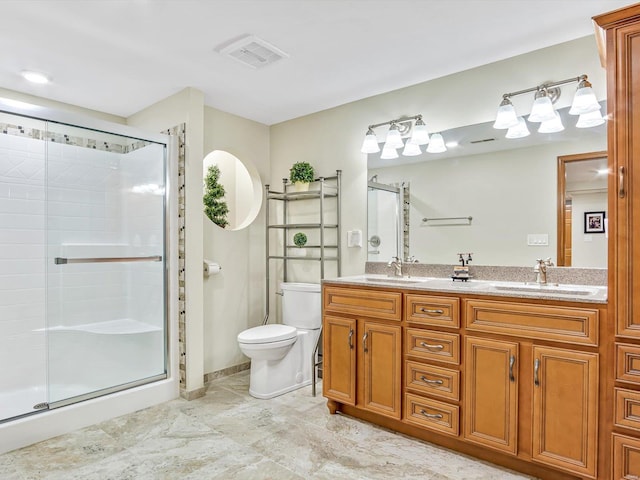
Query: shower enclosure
82, 263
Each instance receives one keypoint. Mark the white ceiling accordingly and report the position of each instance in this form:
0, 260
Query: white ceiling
119, 56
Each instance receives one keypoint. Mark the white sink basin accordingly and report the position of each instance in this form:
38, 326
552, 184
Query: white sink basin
549, 287
391, 280
394, 280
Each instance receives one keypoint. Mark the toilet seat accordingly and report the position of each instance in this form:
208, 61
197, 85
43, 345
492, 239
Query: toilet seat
267, 334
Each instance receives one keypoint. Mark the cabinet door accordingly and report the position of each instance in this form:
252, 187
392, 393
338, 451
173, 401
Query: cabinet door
382, 356
491, 393
339, 359
565, 409
623, 103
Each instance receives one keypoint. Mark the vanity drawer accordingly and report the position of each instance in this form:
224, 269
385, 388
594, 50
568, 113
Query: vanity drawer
432, 414
563, 324
432, 380
627, 363
368, 303
429, 310
627, 408
431, 345
626, 458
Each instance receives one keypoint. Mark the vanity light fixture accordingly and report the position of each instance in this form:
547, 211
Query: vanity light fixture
518, 131
388, 152
542, 111
436, 145
591, 119
553, 125
398, 128
370, 144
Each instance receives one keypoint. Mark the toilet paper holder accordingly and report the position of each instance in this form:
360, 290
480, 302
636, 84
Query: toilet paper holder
211, 268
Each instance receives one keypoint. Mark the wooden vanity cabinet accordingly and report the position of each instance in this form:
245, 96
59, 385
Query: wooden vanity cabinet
362, 349
476, 374
620, 49
432, 363
491, 393
556, 389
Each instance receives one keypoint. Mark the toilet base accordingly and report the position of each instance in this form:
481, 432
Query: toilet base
271, 378
266, 396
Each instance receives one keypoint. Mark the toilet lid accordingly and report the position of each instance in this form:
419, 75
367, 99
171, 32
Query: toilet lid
267, 333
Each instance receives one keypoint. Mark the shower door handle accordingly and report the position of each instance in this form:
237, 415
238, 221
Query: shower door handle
64, 260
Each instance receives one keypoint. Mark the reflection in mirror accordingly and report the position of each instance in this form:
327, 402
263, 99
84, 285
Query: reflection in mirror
384, 221
242, 185
508, 187
582, 188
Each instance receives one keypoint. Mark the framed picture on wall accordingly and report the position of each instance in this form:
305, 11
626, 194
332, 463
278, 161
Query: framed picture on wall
593, 222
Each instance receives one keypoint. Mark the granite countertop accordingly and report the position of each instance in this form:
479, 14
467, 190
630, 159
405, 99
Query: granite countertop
512, 289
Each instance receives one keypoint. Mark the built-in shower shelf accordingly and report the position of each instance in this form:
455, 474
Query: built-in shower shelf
121, 326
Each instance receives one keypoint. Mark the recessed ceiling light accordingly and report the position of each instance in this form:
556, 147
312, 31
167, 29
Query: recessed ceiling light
35, 77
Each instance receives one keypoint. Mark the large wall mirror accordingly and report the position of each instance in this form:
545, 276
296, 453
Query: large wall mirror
242, 188
489, 195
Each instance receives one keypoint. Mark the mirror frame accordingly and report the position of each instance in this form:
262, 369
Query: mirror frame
562, 162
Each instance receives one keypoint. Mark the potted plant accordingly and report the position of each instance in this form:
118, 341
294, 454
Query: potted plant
213, 199
300, 240
301, 174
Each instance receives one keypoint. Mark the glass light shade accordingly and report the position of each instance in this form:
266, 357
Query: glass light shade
419, 136
436, 144
394, 139
370, 144
506, 116
388, 152
551, 126
584, 100
542, 109
591, 119
519, 131
411, 149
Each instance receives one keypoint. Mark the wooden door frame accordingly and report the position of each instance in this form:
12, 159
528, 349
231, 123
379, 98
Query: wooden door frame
562, 162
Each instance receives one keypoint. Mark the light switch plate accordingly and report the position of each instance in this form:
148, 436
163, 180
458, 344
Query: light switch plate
538, 239
354, 238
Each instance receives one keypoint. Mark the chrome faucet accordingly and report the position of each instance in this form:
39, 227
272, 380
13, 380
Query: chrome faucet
541, 270
395, 262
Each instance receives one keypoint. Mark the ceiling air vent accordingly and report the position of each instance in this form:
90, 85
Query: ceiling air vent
252, 51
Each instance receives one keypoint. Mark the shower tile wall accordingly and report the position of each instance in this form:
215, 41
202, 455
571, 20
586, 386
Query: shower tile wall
22, 270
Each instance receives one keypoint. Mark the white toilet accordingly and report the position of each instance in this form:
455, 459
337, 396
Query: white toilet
281, 354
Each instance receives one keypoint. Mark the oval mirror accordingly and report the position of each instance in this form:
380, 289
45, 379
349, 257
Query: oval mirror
232, 194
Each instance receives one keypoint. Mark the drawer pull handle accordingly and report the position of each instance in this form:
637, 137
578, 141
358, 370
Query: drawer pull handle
432, 312
437, 416
536, 369
431, 347
621, 191
431, 382
512, 362
351, 338
364, 342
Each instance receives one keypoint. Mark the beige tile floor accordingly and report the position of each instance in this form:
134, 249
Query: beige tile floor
229, 435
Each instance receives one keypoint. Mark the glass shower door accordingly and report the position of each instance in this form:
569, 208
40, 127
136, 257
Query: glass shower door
23, 349
105, 263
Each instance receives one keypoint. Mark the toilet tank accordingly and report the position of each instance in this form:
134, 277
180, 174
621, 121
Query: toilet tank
301, 305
